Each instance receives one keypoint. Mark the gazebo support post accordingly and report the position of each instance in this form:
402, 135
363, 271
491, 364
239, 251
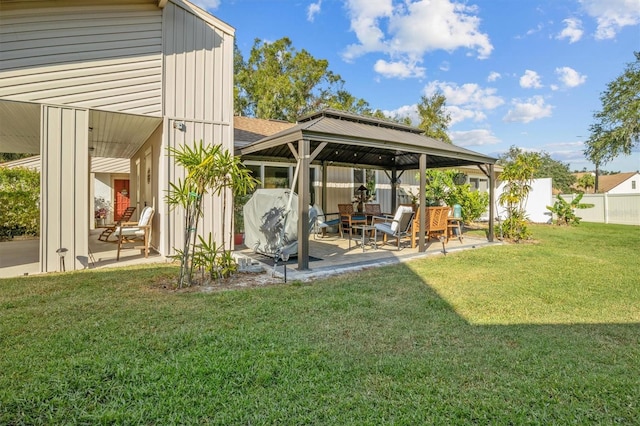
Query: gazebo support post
324, 186
422, 199
492, 200
304, 198
394, 189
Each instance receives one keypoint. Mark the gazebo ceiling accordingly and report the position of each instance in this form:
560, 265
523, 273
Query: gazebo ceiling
357, 141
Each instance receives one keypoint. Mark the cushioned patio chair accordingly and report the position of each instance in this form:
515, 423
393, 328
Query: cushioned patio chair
397, 227
323, 222
126, 217
132, 232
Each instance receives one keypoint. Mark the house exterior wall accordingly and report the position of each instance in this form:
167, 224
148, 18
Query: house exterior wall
214, 219
86, 54
627, 187
64, 222
145, 193
198, 64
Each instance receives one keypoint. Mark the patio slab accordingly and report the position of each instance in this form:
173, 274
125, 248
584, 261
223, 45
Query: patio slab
18, 258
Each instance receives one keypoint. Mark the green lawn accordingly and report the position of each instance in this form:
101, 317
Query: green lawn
544, 333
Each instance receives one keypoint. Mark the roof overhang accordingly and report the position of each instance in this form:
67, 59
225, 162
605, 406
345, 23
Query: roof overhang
111, 134
356, 141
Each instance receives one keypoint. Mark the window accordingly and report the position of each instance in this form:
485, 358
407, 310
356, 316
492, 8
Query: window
633, 184
276, 177
367, 178
478, 184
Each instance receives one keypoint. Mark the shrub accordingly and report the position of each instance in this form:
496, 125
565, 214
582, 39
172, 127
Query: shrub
19, 202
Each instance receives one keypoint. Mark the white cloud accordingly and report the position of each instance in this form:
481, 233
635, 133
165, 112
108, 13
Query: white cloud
313, 10
466, 102
398, 69
207, 4
408, 30
476, 137
445, 66
612, 15
410, 111
469, 94
566, 151
573, 30
461, 114
529, 110
493, 76
530, 79
570, 77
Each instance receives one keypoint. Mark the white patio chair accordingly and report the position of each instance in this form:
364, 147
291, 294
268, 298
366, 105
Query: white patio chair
130, 232
398, 227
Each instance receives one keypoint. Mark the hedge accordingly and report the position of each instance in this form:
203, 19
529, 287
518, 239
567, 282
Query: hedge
19, 202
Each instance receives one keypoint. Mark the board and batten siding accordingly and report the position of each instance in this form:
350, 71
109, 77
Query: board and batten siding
198, 68
106, 57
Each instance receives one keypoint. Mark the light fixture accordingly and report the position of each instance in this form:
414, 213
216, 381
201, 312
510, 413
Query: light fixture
61, 252
179, 125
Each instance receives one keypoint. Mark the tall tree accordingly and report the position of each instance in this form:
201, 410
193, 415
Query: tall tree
240, 101
280, 82
617, 126
434, 119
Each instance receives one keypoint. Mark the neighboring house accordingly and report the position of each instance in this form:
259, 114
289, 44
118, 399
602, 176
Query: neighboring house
109, 182
619, 183
122, 80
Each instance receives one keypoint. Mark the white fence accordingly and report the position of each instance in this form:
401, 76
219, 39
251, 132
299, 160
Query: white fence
623, 209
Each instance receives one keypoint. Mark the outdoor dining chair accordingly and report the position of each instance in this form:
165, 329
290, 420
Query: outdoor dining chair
322, 223
350, 218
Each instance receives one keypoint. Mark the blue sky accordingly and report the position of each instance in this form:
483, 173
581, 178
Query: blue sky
527, 73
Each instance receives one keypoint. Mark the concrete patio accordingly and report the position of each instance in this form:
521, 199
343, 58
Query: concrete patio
330, 255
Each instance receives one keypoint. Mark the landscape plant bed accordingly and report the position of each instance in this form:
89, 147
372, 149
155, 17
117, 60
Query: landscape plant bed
545, 333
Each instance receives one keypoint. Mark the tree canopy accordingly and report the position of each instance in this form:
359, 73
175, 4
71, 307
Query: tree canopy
616, 129
279, 82
434, 120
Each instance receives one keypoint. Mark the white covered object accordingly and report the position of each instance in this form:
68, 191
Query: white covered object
265, 228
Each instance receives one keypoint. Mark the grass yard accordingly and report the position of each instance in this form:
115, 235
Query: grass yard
544, 333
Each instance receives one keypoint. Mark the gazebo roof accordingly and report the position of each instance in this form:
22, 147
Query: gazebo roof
358, 141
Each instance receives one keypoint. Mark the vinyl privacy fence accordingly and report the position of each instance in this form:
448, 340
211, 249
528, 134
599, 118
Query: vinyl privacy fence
622, 209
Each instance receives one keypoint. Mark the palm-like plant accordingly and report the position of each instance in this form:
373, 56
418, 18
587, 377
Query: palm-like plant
565, 211
209, 171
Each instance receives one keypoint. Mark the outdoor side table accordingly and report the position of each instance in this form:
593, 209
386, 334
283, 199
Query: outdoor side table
453, 224
366, 235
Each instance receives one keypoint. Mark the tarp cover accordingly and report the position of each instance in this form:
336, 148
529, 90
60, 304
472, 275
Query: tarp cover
264, 222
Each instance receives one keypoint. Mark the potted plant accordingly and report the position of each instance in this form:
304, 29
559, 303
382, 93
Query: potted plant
102, 209
238, 218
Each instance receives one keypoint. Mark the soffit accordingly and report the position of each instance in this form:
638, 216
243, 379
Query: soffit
111, 134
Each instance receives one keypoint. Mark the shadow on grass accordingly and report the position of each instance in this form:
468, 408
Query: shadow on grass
380, 346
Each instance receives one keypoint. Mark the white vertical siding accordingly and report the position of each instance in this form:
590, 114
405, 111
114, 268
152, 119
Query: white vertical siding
213, 215
91, 56
198, 67
65, 187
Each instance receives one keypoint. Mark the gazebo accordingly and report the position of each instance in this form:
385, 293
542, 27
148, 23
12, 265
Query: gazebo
337, 138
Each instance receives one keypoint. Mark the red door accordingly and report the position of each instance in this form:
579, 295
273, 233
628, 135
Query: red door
121, 188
